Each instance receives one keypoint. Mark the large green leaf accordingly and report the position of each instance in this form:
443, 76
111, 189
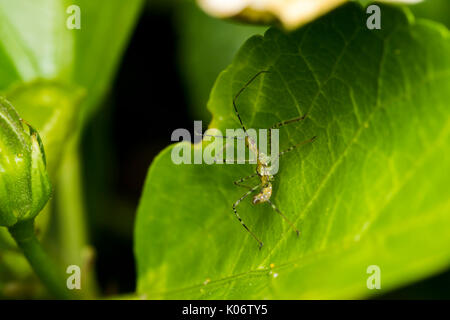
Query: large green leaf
371, 190
35, 44
34, 41
436, 10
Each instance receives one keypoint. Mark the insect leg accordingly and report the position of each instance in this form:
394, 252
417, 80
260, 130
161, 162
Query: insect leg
237, 160
284, 217
297, 145
285, 122
238, 182
221, 153
239, 93
281, 124
239, 218
223, 137
233, 160
223, 148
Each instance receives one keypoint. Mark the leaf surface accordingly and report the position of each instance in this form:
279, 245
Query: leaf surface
371, 190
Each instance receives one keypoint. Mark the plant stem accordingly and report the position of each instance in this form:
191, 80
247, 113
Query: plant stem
52, 277
72, 227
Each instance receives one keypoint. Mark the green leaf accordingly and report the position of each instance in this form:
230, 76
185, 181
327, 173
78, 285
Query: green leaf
435, 10
34, 40
371, 190
45, 68
35, 43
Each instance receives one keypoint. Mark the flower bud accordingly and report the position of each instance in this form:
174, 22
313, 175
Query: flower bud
24, 184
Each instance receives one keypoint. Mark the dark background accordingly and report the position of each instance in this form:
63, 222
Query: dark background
146, 104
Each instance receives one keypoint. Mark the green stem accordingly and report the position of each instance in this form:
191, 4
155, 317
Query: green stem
72, 227
23, 234
69, 199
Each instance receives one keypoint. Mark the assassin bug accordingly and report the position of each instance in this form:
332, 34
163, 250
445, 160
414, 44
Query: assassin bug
263, 171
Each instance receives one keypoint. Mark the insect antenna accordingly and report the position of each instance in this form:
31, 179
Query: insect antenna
240, 91
296, 146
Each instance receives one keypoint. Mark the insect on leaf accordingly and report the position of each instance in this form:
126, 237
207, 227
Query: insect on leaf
371, 190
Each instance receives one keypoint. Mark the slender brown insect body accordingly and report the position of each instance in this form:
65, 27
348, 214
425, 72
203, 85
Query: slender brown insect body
263, 171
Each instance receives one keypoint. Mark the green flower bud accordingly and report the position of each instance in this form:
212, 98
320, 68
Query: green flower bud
24, 184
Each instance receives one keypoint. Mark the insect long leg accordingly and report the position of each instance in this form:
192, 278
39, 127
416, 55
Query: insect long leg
237, 161
224, 147
281, 124
239, 218
238, 182
284, 217
223, 137
238, 94
221, 153
285, 122
231, 160
296, 145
